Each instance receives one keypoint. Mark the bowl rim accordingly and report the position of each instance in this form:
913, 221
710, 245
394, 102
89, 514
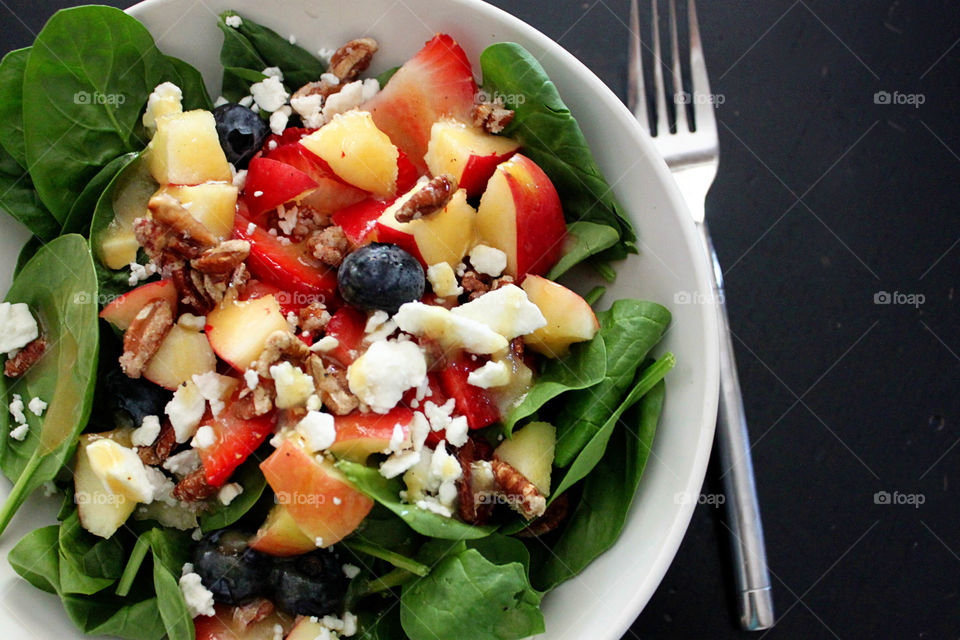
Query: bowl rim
702, 271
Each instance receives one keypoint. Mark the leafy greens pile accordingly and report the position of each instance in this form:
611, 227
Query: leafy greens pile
71, 110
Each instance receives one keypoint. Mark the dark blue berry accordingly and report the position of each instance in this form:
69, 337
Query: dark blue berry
242, 133
134, 398
310, 585
380, 276
229, 568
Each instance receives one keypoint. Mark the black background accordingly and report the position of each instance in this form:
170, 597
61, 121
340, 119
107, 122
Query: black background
824, 199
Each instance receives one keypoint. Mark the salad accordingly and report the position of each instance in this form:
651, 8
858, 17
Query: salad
296, 360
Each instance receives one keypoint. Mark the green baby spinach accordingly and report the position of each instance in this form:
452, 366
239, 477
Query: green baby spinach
19, 199
630, 329
81, 213
59, 285
552, 138
27, 251
585, 239
88, 564
608, 492
253, 482
11, 104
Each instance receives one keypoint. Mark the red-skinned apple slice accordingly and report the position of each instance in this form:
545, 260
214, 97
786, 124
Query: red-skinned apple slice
445, 236
323, 503
290, 135
468, 153
435, 83
520, 214
271, 183
358, 221
473, 402
348, 326
360, 435
569, 318
238, 331
229, 624
331, 193
279, 535
121, 312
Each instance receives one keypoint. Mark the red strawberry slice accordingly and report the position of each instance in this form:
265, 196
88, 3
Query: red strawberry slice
473, 402
271, 183
407, 174
289, 267
331, 193
348, 326
359, 220
435, 83
289, 136
289, 303
236, 440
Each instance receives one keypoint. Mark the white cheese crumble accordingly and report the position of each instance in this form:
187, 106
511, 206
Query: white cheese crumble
279, 119
287, 218
206, 437
325, 344
456, 432
375, 321
269, 94
214, 388
140, 272
199, 599
252, 378
452, 331
398, 439
439, 415
246, 101
273, 72
251, 228
234, 21
229, 492
314, 403
192, 322
146, 434
506, 310
293, 320
348, 98
186, 410
293, 385
17, 326
399, 463
183, 463
494, 373
318, 431
20, 432
443, 280
384, 372
37, 406
220, 101
292, 39
419, 430
164, 99
488, 260
16, 409
310, 109
240, 181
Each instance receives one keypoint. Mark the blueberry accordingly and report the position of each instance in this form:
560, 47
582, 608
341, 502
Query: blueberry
310, 585
380, 276
229, 568
136, 398
242, 133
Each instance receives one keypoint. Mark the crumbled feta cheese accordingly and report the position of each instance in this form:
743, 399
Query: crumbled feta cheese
287, 218
239, 179
258, 194
183, 463
371, 87
229, 492
246, 101
16, 409
192, 322
293, 320
198, 598
269, 94
439, 415
398, 438
120, 469
214, 388
206, 437
332, 623
278, 632
220, 101
162, 486
197, 534
293, 385
429, 503
318, 541
506, 310
17, 326
279, 119
382, 332
494, 373
234, 21
337, 501
488, 260
349, 625
140, 272
20, 432
251, 228
399, 463
318, 431
447, 494
310, 109
166, 98
314, 403
443, 280
325, 344
456, 431
348, 98
146, 434
419, 430
444, 466
273, 72
451, 331
37, 406
330, 78
384, 372
375, 321
272, 145
252, 378
186, 410
292, 39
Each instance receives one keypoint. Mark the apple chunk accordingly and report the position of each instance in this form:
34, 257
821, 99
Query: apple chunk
466, 152
183, 354
520, 214
360, 435
116, 245
323, 503
238, 331
569, 318
213, 204
100, 510
279, 535
121, 312
186, 150
530, 451
445, 236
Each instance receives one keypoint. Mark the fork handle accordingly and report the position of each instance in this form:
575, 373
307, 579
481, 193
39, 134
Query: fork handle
755, 599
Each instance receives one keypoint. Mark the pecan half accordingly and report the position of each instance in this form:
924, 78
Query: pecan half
554, 516
428, 200
172, 233
492, 116
353, 58
523, 495
194, 487
281, 344
314, 317
258, 402
144, 335
329, 246
331, 385
476, 284
25, 358
222, 259
155, 454
471, 487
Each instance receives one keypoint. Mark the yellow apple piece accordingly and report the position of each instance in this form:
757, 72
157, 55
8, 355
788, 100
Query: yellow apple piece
186, 150
466, 152
569, 318
445, 236
357, 151
213, 205
182, 354
238, 330
101, 511
116, 245
530, 451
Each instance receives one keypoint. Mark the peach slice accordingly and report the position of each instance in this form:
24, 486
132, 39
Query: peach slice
445, 236
569, 318
279, 535
121, 312
468, 153
238, 331
183, 354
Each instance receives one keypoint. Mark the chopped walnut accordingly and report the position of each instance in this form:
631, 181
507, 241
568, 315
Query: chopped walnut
492, 116
25, 358
331, 384
194, 487
172, 233
523, 495
144, 335
160, 450
314, 317
431, 198
329, 246
352, 59
552, 518
281, 344
257, 402
470, 489
476, 284
222, 259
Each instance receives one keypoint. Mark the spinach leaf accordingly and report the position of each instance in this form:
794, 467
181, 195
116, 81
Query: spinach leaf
59, 284
36, 558
630, 328
381, 624
173, 608
27, 251
496, 599
608, 492
386, 492
134, 562
88, 564
501, 549
398, 560
583, 367
11, 104
552, 138
19, 199
253, 483
190, 81
384, 77
585, 239
590, 455
81, 213
384, 528
594, 295
250, 48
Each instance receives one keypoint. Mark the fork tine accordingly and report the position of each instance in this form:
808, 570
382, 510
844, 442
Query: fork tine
678, 96
636, 92
703, 115
661, 116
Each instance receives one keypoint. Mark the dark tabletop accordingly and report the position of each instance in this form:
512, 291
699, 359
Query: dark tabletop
829, 202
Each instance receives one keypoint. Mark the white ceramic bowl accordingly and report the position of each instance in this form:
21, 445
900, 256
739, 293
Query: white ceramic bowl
604, 600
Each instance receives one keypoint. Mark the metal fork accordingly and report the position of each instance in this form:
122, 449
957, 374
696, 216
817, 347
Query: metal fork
693, 154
